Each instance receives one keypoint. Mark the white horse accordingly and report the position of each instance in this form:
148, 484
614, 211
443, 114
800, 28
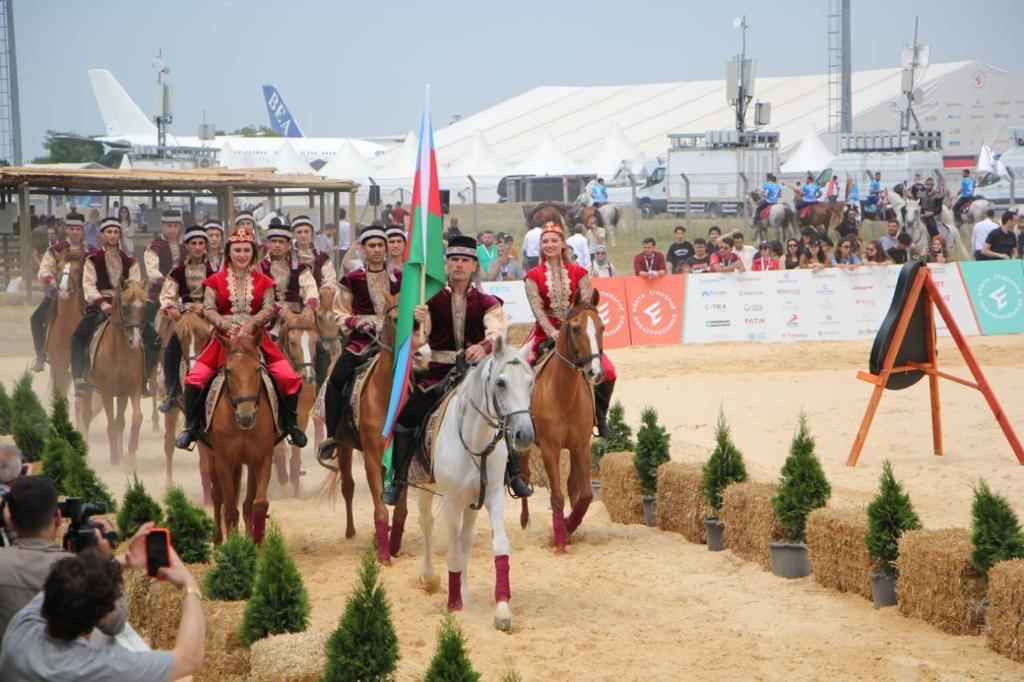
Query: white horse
781, 217
489, 412
976, 211
919, 233
608, 212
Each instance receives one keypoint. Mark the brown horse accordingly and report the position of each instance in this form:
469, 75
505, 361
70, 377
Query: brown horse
117, 370
65, 314
297, 339
192, 331
563, 414
538, 214
821, 215
332, 339
373, 406
241, 434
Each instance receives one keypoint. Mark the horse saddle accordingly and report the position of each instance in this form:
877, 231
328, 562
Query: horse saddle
421, 469
765, 212
94, 344
965, 209
217, 384
351, 394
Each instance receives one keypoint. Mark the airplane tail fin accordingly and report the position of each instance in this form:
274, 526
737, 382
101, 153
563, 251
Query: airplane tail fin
280, 118
121, 115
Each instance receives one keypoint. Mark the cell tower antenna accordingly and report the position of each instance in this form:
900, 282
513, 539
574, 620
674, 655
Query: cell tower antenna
10, 118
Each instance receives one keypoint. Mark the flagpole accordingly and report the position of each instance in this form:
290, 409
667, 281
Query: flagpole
425, 129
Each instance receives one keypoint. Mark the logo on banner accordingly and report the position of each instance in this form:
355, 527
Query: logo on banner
654, 312
612, 311
1000, 297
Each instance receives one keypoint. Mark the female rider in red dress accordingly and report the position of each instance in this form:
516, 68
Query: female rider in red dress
550, 287
239, 300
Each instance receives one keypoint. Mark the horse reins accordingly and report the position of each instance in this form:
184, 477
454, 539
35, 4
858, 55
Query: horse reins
577, 364
288, 329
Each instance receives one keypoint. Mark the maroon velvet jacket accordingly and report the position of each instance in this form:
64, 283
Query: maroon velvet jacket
362, 304
442, 328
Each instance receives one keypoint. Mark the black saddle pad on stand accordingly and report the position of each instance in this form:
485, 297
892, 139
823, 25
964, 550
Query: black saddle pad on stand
915, 342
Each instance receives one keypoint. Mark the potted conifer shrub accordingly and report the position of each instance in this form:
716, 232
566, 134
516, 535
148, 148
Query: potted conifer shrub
620, 441
136, 509
190, 526
890, 514
279, 602
723, 468
234, 569
651, 452
451, 662
995, 530
802, 489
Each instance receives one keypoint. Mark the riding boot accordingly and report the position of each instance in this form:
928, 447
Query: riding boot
289, 405
603, 399
514, 478
172, 376
322, 363
151, 348
333, 404
403, 442
38, 325
193, 418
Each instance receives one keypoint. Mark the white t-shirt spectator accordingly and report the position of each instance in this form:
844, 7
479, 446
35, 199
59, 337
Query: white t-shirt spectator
746, 255
982, 229
531, 243
344, 235
578, 244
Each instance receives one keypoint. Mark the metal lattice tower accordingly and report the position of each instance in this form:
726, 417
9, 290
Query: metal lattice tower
10, 121
840, 87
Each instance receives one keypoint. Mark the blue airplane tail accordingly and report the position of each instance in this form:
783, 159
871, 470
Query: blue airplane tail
280, 118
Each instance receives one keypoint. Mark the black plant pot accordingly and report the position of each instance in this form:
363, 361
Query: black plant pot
883, 589
650, 510
595, 487
715, 533
790, 559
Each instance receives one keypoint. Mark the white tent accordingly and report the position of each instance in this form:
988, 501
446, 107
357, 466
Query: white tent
400, 162
478, 161
126, 163
229, 158
546, 158
348, 164
608, 156
288, 162
810, 156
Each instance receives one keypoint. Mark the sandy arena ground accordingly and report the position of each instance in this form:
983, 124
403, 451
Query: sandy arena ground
630, 602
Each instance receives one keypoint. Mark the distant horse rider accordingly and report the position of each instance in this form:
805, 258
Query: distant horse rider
105, 271
599, 193
162, 254
874, 200
967, 185
324, 275
808, 193
183, 290
459, 319
362, 301
215, 248
294, 282
770, 194
74, 229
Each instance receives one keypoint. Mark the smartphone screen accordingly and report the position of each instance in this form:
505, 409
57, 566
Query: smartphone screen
158, 542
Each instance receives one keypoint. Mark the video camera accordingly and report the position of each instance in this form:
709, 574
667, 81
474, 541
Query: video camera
80, 534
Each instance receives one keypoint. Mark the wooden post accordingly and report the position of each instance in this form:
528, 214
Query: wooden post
352, 214
25, 229
323, 210
229, 208
933, 378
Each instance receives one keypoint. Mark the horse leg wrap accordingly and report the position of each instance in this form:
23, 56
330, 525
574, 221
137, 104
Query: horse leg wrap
380, 530
281, 464
558, 524
207, 482
454, 590
259, 521
395, 543
502, 587
574, 520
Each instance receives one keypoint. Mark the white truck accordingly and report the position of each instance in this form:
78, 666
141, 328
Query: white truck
713, 172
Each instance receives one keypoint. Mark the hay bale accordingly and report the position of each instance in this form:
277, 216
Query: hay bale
296, 657
1004, 624
750, 521
681, 503
620, 488
839, 557
226, 658
937, 581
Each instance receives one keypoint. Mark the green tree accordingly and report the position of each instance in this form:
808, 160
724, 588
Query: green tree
255, 131
724, 467
29, 423
54, 461
620, 441
451, 662
191, 527
61, 426
651, 450
234, 569
364, 646
137, 507
803, 487
68, 147
279, 602
890, 514
79, 478
5, 411
995, 530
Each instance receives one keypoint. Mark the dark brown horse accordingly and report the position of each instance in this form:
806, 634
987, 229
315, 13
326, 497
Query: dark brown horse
241, 434
192, 331
373, 406
65, 314
538, 214
821, 215
563, 414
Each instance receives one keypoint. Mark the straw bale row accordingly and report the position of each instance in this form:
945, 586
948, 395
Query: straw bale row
681, 503
1004, 624
620, 488
298, 657
937, 581
750, 521
839, 557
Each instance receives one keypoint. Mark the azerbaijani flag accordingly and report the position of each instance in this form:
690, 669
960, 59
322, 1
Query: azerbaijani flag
423, 274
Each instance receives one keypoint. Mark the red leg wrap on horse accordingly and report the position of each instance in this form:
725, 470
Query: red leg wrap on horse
259, 526
204, 477
502, 588
574, 520
380, 530
395, 543
281, 464
454, 590
558, 524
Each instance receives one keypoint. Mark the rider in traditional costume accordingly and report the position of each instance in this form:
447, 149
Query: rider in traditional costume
324, 276
105, 271
550, 288
294, 284
215, 247
362, 301
239, 300
183, 290
74, 228
162, 254
397, 245
460, 318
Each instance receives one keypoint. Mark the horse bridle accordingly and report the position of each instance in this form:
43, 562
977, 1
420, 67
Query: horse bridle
235, 402
579, 362
288, 329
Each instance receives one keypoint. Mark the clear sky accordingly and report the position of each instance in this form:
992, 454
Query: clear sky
358, 68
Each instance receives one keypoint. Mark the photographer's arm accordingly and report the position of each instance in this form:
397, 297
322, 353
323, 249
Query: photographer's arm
190, 644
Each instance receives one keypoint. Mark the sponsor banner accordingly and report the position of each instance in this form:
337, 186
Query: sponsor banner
950, 282
655, 309
613, 310
996, 289
513, 293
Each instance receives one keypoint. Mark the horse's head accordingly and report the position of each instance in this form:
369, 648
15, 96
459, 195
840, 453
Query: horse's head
69, 269
298, 338
510, 391
913, 206
192, 331
129, 311
244, 379
583, 333
330, 332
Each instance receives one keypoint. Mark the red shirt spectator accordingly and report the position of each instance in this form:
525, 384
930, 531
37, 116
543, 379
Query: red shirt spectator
399, 214
649, 262
765, 259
